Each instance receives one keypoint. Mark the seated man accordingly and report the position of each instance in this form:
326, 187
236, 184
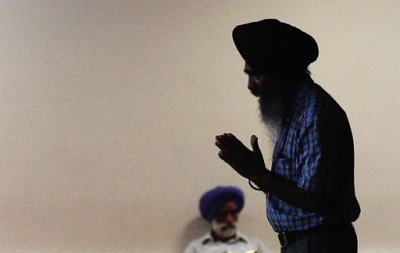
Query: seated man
221, 207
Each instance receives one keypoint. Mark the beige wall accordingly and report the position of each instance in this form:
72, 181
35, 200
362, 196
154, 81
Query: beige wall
109, 111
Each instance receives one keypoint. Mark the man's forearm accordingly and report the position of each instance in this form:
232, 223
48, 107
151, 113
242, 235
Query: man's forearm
289, 192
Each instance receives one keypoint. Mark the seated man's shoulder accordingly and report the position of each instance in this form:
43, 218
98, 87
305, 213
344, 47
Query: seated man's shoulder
198, 243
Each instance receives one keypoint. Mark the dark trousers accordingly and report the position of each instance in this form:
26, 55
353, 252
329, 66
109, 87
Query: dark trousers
344, 241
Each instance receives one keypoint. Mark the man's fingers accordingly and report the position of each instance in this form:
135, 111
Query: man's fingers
226, 150
256, 147
228, 158
222, 142
225, 143
228, 140
254, 144
237, 142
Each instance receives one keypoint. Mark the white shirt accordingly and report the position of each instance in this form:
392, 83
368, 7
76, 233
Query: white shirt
240, 244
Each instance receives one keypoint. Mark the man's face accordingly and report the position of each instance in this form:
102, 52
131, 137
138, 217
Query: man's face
273, 95
261, 85
228, 213
224, 224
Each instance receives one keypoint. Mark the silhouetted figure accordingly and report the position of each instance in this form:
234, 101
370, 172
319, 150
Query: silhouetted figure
311, 200
221, 206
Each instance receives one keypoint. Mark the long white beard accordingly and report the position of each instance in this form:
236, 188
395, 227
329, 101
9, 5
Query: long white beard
223, 230
272, 112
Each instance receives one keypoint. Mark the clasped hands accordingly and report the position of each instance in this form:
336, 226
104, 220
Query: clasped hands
248, 163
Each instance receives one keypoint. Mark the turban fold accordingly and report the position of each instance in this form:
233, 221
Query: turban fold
213, 200
275, 48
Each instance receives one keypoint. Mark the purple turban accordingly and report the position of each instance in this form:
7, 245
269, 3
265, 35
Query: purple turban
274, 48
213, 200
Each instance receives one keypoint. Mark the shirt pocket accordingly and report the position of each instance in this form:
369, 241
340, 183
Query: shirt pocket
286, 167
282, 165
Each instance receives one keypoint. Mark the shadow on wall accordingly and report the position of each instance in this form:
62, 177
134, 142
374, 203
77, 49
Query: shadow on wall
195, 228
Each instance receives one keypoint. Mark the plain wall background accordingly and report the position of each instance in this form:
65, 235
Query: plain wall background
109, 111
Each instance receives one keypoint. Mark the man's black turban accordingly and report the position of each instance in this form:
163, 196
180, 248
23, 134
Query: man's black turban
274, 48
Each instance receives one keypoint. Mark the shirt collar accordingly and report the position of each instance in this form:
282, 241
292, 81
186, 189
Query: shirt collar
207, 238
304, 86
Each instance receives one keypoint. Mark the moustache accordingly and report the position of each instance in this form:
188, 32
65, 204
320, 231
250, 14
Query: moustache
230, 226
255, 92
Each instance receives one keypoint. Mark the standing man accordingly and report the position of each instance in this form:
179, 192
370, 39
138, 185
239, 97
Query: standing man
221, 206
311, 200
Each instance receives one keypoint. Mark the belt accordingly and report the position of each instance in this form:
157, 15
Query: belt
288, 238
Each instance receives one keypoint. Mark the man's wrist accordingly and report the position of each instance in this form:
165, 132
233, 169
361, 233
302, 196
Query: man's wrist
258, 179
254, 187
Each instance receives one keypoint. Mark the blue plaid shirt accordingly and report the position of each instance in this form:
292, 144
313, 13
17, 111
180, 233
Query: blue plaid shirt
314, 149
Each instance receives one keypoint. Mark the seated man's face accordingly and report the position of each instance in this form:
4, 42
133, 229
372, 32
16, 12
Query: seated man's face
224, 225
